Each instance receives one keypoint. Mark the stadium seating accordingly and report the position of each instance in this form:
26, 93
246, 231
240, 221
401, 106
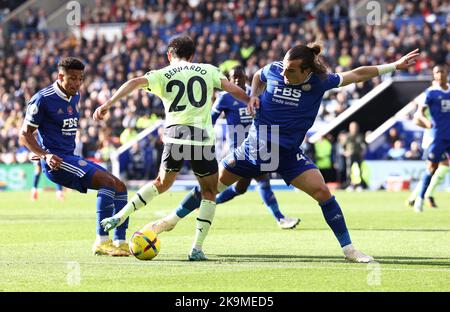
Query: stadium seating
251, 32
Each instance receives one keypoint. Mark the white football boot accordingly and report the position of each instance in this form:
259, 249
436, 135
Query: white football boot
353, 255
287, 223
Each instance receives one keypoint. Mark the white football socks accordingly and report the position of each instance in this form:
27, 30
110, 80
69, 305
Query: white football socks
139, 200
204, 219
437, 178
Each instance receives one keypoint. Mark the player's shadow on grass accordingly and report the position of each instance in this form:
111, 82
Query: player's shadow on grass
426, 261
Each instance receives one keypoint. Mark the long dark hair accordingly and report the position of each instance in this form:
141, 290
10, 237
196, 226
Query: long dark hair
309, 54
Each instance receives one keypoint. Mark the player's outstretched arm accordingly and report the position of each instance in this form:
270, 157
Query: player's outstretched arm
128, 87
27, 139
420, 119
365, 73
234, 90
258, 87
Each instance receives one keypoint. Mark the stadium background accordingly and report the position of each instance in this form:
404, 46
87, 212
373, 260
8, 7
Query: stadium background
123, 39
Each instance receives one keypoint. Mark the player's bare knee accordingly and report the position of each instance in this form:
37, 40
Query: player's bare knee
241, 189
432, 167
120, 186
322, 193
109, 182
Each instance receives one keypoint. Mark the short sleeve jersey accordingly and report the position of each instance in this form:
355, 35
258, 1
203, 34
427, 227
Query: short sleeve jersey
293, 108
56, 116
186, 90
438, 102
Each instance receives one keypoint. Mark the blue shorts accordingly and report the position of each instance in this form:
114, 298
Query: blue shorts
290, 164
439, 150
75, 172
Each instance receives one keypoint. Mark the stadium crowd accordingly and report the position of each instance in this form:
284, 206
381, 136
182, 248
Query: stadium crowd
251, 32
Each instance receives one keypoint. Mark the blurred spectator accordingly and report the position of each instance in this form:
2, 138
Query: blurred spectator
340, 162
323, 152
414, 152
396, 152
136, 166
393, 136
128, 134
354, 149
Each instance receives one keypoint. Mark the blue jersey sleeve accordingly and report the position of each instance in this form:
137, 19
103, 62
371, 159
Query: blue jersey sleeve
331, 81
428, 98
35, 111
218, 107
265, 73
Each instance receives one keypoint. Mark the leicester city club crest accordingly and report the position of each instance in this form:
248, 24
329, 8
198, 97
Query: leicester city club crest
306, 87
82, 162
70, 109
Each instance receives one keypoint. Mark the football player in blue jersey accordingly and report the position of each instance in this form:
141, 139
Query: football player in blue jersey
291, 93
54, 115
238, 122
437, 101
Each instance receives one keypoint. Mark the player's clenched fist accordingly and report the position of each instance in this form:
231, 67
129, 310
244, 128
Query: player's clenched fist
253, 105
53, 161
100, 113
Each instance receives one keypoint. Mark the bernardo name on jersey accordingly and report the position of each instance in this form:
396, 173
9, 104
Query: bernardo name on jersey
186, 90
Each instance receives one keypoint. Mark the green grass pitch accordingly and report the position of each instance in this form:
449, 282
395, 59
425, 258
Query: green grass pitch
46, 246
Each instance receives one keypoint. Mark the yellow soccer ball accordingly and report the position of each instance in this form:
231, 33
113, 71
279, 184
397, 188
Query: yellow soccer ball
145, 244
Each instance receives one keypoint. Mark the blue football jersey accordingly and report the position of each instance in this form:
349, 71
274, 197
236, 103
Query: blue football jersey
438, 102
56, 117
236, 114
293, 108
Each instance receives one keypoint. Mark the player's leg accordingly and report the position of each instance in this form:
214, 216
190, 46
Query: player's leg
425, 182
81, 175
437, 179
269, 199
412, 197
192, 201
142, 198
436, 149
232, 191
208, 188
105, 182
312, 183
59, 192
167, 174
107, 186
36, 178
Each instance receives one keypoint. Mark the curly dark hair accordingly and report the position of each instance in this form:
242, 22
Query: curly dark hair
181, 46
70, 63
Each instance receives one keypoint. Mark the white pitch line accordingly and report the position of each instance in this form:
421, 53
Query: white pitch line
235, 265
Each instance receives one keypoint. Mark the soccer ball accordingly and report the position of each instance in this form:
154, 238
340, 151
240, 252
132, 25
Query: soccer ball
145, 244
